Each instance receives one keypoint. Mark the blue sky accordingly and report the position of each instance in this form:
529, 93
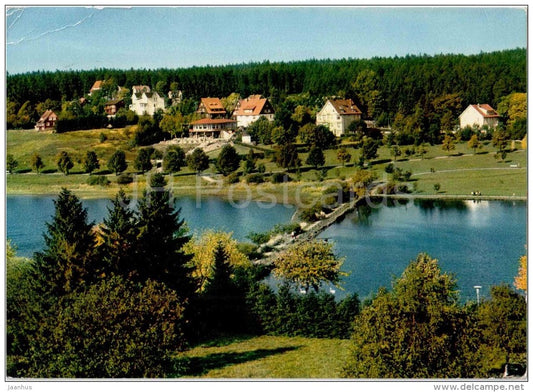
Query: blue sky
50, 38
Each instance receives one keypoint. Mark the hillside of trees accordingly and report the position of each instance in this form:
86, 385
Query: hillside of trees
382, 87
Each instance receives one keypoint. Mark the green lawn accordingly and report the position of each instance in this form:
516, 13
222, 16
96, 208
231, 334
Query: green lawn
269, 357
458, 173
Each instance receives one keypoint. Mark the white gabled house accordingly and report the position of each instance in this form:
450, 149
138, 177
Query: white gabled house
337, 114
479, 115
143, 101
251, 109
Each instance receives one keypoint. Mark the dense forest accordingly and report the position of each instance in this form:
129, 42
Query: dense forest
380, 86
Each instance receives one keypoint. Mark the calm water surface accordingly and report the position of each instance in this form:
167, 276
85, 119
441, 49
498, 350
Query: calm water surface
27, 217
480, 242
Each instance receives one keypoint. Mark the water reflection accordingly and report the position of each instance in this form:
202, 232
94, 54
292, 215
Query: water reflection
429, 205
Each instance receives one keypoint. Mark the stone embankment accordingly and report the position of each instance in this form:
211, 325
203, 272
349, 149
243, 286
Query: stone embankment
282, 242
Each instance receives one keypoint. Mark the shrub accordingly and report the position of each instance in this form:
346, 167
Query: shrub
233, 178
124, 179
389, 168
98, 180
259, 238
113, 329
256, 178
311, 214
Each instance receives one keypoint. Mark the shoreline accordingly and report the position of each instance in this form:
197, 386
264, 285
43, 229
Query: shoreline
239, 196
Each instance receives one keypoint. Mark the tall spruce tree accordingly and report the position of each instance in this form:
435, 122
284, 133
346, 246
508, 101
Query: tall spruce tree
119, 237
160, 240
67, 261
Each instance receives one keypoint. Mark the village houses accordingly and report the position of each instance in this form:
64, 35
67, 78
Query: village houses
211, 108
213, 128
47, 121
251, 109
144, 101
479, 115
337, 114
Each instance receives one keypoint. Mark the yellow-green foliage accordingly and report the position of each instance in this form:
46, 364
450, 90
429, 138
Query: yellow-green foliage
203, 247
310, 264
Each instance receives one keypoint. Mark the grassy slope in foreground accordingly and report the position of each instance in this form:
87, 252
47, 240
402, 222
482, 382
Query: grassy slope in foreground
270, 357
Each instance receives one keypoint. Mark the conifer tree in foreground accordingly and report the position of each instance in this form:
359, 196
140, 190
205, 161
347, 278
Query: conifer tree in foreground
66, 262
119, 235
160, 240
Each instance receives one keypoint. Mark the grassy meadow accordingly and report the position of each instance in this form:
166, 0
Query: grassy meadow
458, 172
270, 357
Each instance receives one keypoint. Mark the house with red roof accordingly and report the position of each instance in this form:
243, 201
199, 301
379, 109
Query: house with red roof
337, 114
213, 128
251, 109
47, 121
211, 108
479, 115
96, 86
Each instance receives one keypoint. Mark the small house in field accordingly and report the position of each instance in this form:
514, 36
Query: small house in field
479, 115
211, 108
337, 114
144, 101
111, 107
251, 109
47, 121
213, 128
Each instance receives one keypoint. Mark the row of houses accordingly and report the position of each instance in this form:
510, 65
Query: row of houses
336, 114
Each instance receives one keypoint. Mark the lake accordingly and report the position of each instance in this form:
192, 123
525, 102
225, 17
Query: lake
27, 217
478, 241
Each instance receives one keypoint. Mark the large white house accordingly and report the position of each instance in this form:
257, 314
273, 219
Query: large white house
479, 115
337, 114
251, 109
143, 101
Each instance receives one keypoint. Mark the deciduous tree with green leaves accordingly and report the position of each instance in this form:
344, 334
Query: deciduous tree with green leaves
37, 163
174, 159
228, 160
90, 162
11, 163
413, 331
143, 160
198, 160
315, 157
448, 143
64, 163
474, 143
117, 163
343, 155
